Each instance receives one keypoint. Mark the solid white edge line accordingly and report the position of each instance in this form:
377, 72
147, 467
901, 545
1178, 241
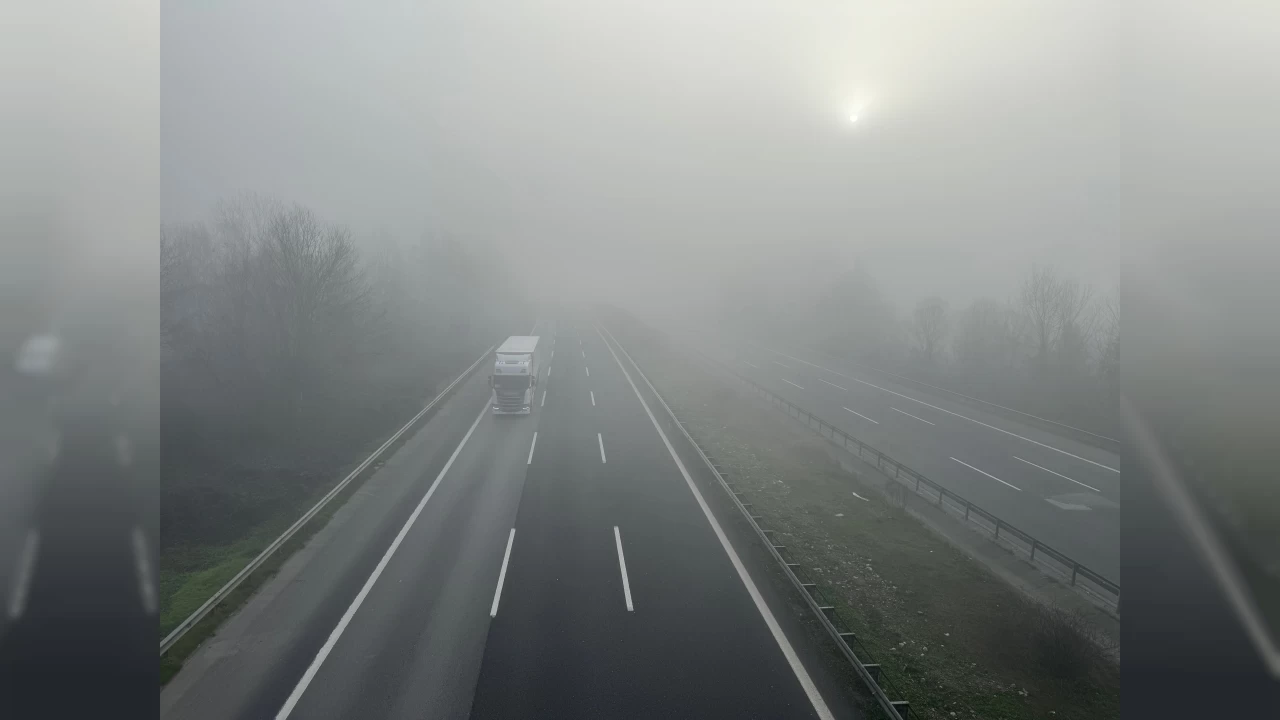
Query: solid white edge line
834, 385
1064, 477
904, 412
22, 578
600, 438
502, 574
984, 472
310, 674
622, 563
790, 383
802, 675
254, 564
864, 417
532, 445
966, 417
142, 564
593, 398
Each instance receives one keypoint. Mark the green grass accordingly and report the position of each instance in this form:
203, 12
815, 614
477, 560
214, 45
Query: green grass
951, 636
191, 575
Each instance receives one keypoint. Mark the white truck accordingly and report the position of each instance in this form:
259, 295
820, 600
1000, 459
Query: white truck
515, 375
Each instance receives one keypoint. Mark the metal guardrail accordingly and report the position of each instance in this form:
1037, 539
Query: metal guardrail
183, 627
1038, 553
1089, 437
825, 611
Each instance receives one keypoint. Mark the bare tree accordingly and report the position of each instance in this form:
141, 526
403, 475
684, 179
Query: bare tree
1039, 299
929, 325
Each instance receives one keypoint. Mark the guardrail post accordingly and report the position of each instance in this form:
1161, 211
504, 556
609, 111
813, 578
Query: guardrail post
966, 517
1075, 568
997, 527
917, 484
1034, 542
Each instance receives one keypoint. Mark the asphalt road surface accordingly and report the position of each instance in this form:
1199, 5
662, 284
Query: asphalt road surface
556, 565
1063, 492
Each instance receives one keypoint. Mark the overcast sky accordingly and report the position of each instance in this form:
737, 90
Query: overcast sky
621, 141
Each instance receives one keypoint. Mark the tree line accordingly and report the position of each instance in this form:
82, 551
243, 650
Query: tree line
288, 344
1052, 348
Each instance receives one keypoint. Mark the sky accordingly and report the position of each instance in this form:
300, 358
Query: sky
625, 147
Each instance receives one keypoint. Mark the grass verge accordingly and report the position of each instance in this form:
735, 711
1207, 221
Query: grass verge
189, 574
956, 640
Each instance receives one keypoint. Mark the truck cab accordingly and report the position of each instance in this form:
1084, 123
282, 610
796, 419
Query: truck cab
515, 375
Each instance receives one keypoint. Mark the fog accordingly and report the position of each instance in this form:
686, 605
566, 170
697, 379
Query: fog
622, 146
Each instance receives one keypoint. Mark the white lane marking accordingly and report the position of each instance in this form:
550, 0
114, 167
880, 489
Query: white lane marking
502, 574
790, 383
1064, 477
622, 563
22, 578
588, 370
548, 371
834, 385
806, 682
775, 362
904, 412
752, 365
544, 399
584, 354
310, 674
984, 472
864, 417
1066, 506
593, 398
966, 417
532, 445
142, 564
860, 497
600, 438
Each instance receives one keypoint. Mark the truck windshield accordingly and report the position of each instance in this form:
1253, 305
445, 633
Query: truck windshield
511, 382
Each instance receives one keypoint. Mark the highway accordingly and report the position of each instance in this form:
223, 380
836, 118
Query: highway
558, 565
1063, 492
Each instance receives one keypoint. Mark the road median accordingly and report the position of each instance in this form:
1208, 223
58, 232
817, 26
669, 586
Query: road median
958, 640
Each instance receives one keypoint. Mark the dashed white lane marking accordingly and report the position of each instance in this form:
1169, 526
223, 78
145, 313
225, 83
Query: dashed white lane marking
752, 365
860, 497
1064, 477
502, 574
775, 362
600, 438
984, 472
588, 370
593, 398
966, 417
310, 674
544, 399
791, 383
622, 563
22, 577
904, 412
532, 445
789, 652
834, 385
864, 417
